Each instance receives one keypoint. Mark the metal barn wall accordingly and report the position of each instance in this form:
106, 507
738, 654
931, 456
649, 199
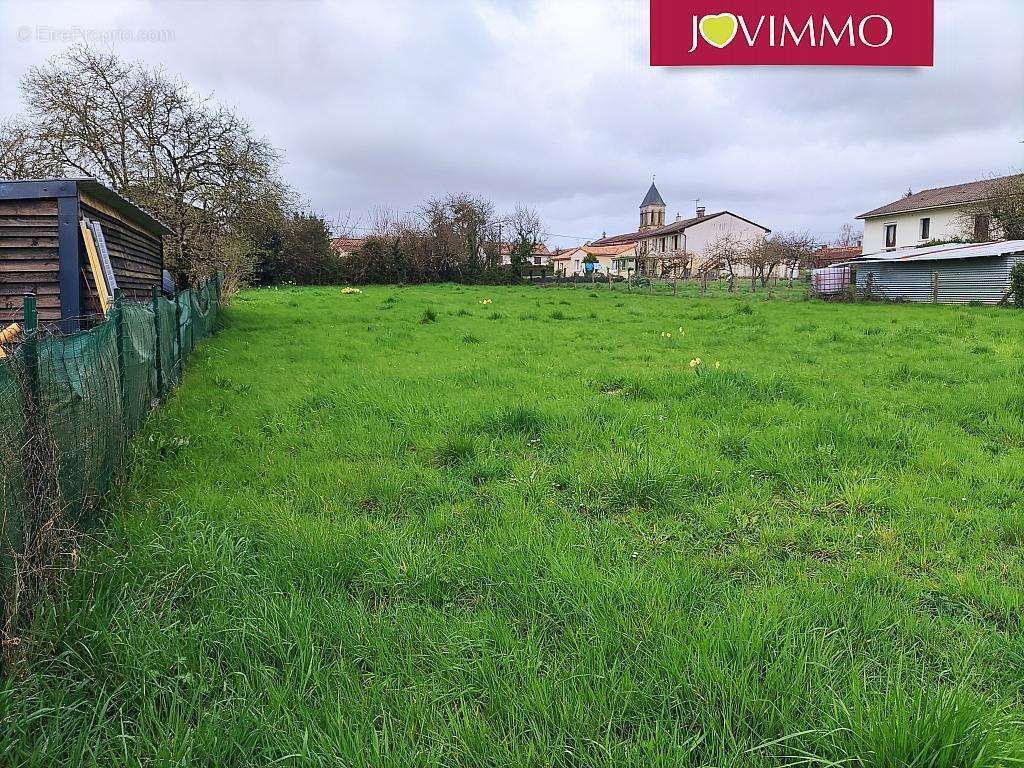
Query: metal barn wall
961, 281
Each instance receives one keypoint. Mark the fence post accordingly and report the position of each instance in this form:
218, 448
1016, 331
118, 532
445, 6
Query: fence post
177, 333
935, 287
121, 375
31, 351
159, 350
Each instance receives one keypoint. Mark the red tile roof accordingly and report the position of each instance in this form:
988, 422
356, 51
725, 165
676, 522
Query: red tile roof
347, 244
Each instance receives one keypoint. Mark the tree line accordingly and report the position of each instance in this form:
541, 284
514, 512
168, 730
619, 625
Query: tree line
199, 167
459, 237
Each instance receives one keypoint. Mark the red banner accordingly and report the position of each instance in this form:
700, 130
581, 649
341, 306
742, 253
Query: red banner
861, 33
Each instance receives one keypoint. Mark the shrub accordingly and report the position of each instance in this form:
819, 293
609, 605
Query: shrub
429, 316
1017, 284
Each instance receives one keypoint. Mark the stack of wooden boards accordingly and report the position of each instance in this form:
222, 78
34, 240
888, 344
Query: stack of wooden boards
99, 262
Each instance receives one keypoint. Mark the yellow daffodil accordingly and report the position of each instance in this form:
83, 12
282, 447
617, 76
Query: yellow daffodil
349, 290
717, 365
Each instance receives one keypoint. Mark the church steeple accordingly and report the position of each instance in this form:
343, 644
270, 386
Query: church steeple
652, 209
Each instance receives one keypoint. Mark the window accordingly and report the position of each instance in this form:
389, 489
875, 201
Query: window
982, 228
926, 228
675, 242
890, 235
663, 245
536, 261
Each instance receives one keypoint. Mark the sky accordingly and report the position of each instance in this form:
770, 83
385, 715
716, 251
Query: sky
553, 105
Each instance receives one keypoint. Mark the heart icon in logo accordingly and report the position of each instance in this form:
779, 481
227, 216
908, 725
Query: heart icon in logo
719, 30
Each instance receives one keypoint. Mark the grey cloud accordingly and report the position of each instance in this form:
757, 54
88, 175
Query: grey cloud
553, 104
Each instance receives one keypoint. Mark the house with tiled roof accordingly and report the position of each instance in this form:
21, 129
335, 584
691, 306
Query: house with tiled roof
618, 259
540, 256
942, 213
345, 246
680, 248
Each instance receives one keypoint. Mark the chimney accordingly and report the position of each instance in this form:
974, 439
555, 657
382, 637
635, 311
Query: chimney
700, 211
678, 217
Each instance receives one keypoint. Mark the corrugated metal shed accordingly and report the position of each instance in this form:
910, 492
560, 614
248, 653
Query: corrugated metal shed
948, 274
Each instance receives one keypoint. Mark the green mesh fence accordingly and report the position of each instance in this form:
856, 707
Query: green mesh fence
13, 493
69, 403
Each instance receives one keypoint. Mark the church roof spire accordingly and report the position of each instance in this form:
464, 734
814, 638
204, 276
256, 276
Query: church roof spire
653, 197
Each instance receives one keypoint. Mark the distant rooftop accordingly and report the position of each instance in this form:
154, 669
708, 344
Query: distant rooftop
957, 194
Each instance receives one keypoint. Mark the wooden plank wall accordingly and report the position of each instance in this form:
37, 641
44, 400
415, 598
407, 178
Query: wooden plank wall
28, 258
136, 256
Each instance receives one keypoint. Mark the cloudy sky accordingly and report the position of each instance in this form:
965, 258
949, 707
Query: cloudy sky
553, 104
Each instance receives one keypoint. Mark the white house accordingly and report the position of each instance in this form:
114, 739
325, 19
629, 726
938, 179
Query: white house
540, 256
667, 244
942, 213
617, 259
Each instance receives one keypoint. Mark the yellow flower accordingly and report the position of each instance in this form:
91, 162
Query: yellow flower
695, 362
681, 331
717, 365
349, 289
669, 335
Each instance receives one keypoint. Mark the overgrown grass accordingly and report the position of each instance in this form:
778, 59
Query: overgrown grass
401, 528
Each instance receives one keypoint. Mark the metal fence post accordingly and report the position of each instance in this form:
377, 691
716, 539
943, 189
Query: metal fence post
121, 373
177, 333
159, 349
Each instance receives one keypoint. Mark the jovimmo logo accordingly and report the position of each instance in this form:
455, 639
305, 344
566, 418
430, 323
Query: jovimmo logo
879, 33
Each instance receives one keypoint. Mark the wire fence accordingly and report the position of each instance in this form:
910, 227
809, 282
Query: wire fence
69, 404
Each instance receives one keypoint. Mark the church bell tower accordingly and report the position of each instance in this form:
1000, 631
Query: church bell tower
652, 210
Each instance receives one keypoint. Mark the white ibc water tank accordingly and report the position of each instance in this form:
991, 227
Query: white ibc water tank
830, 279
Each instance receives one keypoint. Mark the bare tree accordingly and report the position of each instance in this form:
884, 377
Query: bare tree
23, 155
793, 251
999, 216
850, 236
194, 164
727, 251
782, 252
526, 232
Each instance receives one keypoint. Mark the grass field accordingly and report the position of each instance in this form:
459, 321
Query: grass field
409, 528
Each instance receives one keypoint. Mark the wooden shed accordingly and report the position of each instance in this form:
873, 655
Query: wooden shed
42, 250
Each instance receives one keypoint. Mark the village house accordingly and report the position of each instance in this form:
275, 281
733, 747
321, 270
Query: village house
346, 246
617, 259
940, 214
540, 256
681, 247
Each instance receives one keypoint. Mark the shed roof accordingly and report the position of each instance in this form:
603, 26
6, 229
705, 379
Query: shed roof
944, 252
22, 188
957, 194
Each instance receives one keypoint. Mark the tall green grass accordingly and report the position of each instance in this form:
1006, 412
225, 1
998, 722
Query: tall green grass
356, 538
